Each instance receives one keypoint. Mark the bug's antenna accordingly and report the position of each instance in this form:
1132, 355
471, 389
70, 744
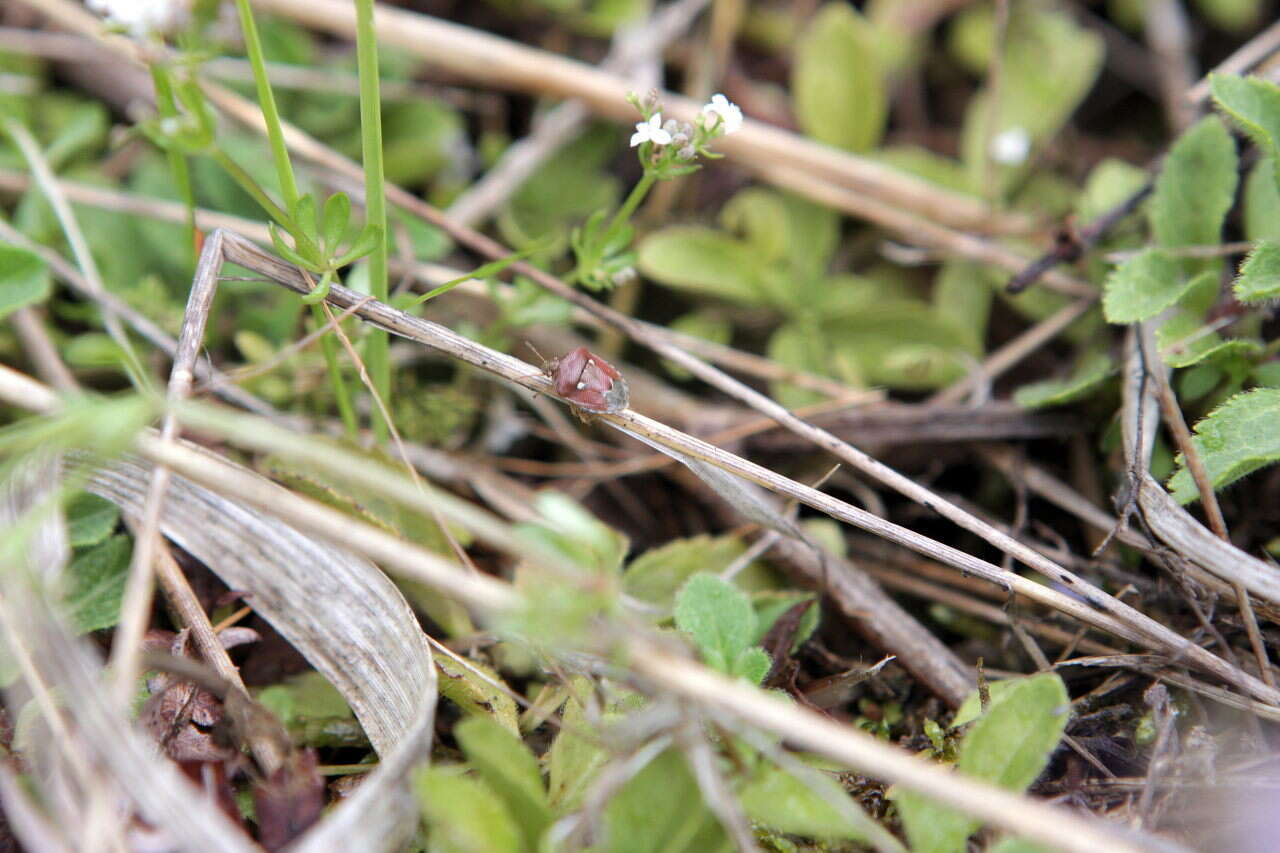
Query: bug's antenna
540, 356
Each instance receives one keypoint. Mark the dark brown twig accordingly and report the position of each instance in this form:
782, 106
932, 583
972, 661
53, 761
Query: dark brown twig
1071, 244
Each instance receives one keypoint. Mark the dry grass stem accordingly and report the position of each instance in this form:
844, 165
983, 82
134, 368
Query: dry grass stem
1100, 610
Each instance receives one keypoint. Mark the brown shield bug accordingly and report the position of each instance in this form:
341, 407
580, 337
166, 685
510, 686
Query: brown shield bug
588, 381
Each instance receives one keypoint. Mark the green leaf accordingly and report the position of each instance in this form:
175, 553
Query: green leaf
567, 187
1050, 63
1261, 201
971, 38
577, 534
1231, 15
481, 272
1259, 278
902, 343
1009, 746
784, 229
771, 604
702, 260
421, 139
962, 293
1091, 373
836, 84
784, 803
575, 757
82, 128
1142, 287
945, 172
90, 519
661, 809
477, 689
971, 708
463, 814
24, 279
1195, 189
314, 712
285, 251
719, 618
306, 696
334, 220
710, 325
366, 241
510, 769
1109, 183
1184, 341
95, 584
752, 665
656, 576
1016, 845
1254, 104
1267, 375
304, 214
1235, 439
801, 346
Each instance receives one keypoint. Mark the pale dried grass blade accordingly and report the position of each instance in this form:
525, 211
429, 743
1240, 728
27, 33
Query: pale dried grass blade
57, 663
338, 609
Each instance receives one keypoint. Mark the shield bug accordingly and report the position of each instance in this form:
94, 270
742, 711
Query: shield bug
588, 381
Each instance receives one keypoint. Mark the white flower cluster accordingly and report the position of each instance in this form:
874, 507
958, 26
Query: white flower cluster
143, 17
724, 115
727, 111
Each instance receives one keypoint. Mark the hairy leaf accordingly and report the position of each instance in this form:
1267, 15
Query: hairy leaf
1142, 287
95, 584
1259, 278
1236, 439
1261, 201
719, 618
1195, 189
1254, 104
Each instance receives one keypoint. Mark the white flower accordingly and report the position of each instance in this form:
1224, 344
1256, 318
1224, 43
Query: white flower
1010, 147
727, 110
650, 131
143, 17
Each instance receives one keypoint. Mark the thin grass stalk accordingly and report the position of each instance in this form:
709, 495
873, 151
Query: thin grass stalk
377, 357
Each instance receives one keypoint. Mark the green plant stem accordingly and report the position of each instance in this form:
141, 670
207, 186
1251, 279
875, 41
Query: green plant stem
246, 182
376, 352
168, 107
638, 192
267, 101
341, 393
